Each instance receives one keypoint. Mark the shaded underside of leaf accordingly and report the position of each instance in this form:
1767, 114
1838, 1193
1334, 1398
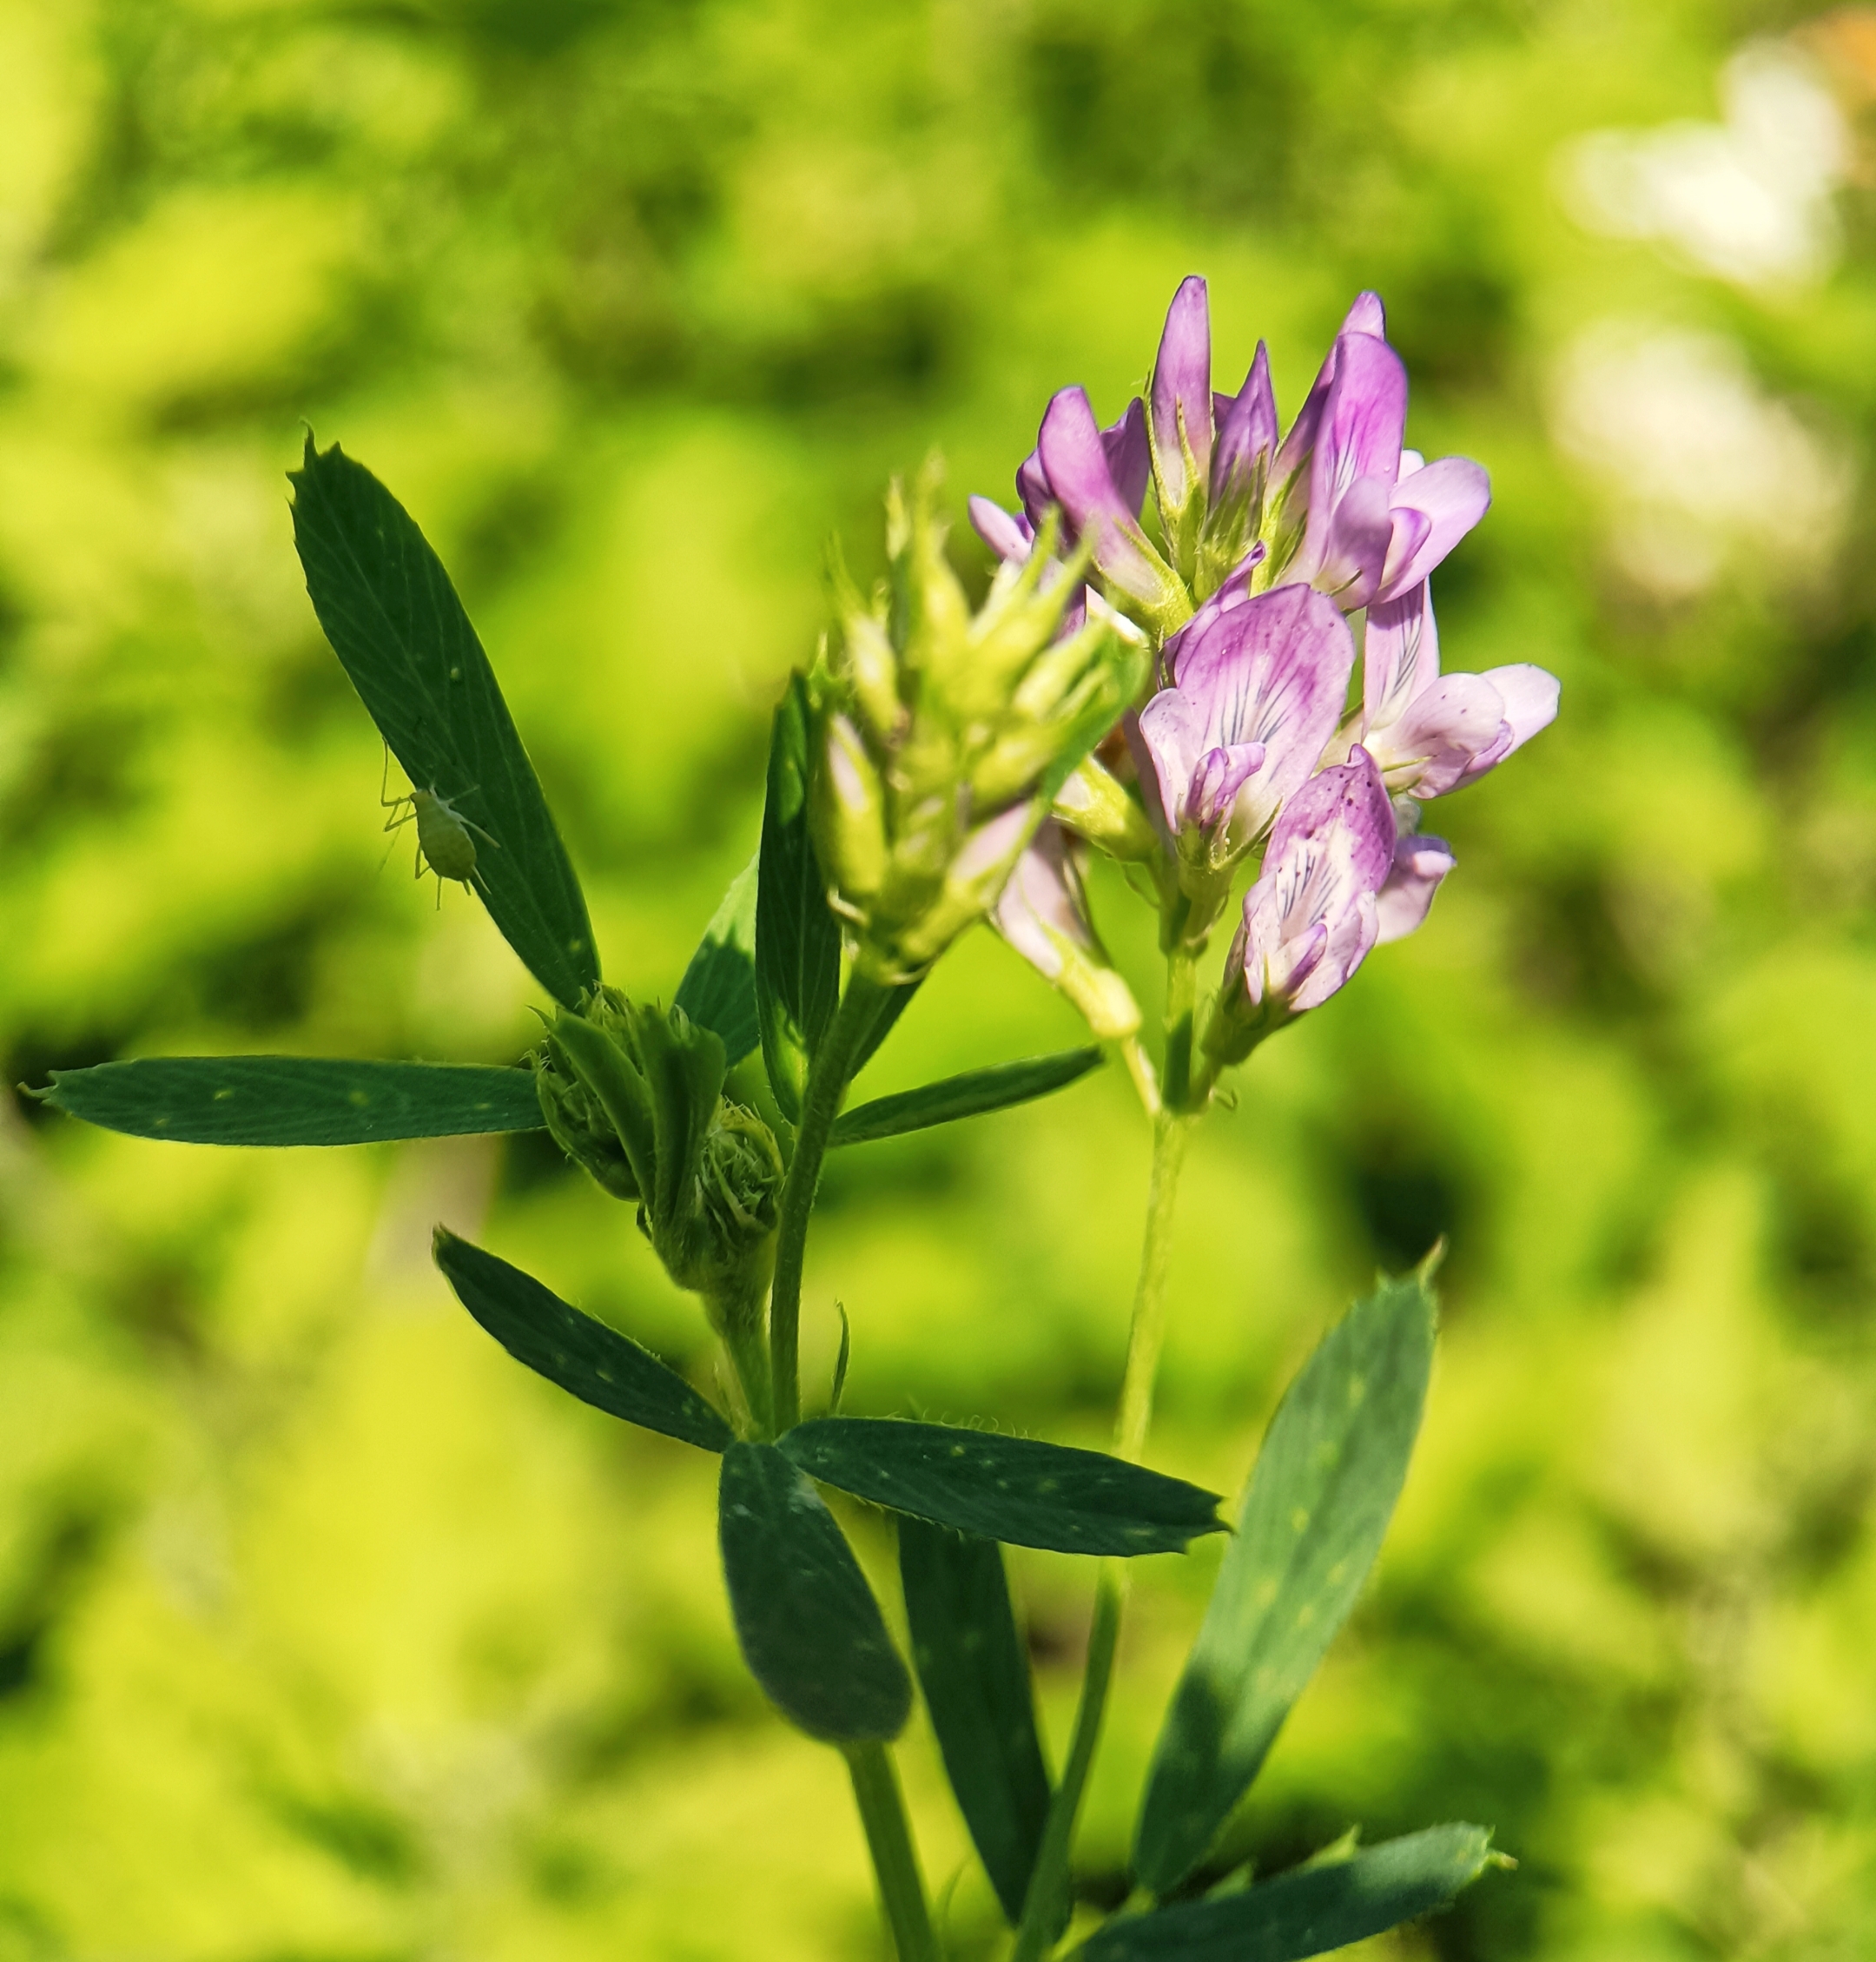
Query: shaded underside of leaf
1314, 1515
295, 1099
1310, 1911
593, 1362
718, 988
972, 1093
396, 624
811, 1630
1017, 1489
797, 939
975, 1671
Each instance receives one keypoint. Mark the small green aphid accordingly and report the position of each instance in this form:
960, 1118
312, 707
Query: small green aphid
444, 845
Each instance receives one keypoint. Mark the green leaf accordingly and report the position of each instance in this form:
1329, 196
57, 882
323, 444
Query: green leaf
975, 1671
1308, 1911
970, 1094
1318, 1505
1017, 1489
598, 1364
295, 1099
718, 988
811, 1630
395, 623
797, 940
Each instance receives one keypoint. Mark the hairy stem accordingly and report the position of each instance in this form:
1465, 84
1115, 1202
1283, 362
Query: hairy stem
1043, 1907
832, 1070
895, 1859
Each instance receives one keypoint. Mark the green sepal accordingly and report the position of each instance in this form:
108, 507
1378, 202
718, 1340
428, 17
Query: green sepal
396, 624
1017, 1489
811, 1630
683, 1073
1314, 1515
294, 1099
975, 1671
718, 988
797, 939
1310, 1910
972, 1093
594, 1363
595, 1058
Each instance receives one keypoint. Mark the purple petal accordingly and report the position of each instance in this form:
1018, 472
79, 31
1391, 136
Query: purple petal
1312, 917
1349, 799
1033, 490
1172, 732
1400, 655
1452, 730
1221, 774
1246, 428
1182, 392
1452, 495
1354, 544
1007, 535
1043, 899
1129, 459
1074, 468
1530, 697
1367, 316
1274, 669
1402, 904
1362, 421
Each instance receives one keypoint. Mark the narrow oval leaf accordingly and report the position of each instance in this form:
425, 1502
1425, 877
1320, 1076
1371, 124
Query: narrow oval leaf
596, 1363
969, 1094
975, 1671
811, 1630
1309, 1911
395, 623
797, 940
1017, 1489
718, 988
294, 1099
1314, 1513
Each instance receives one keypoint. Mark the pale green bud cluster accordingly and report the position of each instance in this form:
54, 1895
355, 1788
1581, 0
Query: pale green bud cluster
634, 1093
943, 734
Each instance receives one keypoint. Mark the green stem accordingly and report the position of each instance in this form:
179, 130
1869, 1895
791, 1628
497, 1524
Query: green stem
895, 1860
1048, 1884
827, 1078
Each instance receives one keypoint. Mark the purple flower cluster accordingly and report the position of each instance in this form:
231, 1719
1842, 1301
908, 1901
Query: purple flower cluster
1269, 544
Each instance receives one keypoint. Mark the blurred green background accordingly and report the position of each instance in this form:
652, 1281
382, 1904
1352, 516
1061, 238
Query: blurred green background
327, 1634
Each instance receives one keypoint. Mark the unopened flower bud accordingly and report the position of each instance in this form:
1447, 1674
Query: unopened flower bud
847, 812
1095, 805
579, 1126
1043, 915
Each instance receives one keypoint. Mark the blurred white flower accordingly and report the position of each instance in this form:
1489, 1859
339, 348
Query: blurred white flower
1702, 468
1749, 199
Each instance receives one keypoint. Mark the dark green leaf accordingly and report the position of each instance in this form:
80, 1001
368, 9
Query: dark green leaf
975, 1671
798, 942
1309, 1911
1314, 1515
598, 1364
1017, 1489
811, 1630
295, 1099
718, 988
394, 620
897, 1002
970, 1094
